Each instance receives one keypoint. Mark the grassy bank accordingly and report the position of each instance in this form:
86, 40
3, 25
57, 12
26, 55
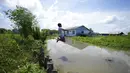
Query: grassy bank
116, 42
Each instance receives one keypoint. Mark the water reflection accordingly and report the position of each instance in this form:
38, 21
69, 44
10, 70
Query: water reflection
76, 44
91, 59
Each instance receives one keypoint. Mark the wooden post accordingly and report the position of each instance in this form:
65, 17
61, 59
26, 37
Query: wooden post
45, 63
50, 65
41, 61
54, 71
41, 57
41, 50
49, 70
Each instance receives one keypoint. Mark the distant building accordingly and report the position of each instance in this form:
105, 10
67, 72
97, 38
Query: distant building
75, 31
15, 31
112, 34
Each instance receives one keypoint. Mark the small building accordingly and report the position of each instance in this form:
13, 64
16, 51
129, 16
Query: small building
112, 34
75, 31
15, 31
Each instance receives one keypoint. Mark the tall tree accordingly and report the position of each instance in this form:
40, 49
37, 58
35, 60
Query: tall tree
3, 30
23, 20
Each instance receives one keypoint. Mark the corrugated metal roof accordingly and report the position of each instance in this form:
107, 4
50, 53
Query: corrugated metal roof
71, 28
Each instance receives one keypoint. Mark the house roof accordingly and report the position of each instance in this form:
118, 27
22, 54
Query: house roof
71, 28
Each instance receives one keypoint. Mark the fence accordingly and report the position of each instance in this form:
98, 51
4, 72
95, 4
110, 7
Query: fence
45, 61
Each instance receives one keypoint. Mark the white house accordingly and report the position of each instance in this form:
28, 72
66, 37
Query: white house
74, 31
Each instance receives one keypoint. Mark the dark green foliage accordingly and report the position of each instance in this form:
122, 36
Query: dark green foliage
44, 35
2, 30
36, 33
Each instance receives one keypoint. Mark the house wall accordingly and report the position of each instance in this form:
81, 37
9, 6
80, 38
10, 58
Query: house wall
78, 31
82, 29
70, 33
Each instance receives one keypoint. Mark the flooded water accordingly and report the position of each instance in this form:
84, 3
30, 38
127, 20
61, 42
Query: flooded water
89, 59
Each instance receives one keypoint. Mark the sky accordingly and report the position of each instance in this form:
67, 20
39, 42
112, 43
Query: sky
103, 16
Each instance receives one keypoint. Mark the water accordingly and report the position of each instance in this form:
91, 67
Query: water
91, 59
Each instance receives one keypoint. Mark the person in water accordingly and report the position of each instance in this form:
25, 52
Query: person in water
61, 33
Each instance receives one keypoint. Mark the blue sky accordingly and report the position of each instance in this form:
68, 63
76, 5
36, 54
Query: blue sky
92, 5
101, 15
104, 5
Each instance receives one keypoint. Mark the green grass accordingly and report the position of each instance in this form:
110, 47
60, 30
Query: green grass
115, 42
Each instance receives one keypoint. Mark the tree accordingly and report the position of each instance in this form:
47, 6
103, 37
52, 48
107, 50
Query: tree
91, 32
9, 31
53, 32
46, 32
128, 33
3, 30
23, 20
121, 33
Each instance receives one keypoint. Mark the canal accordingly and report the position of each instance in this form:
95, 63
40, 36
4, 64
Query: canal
77, 57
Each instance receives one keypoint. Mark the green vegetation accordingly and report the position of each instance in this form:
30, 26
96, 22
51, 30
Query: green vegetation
30, 68
116, 42
3, 30
16, 50
24, 21
51, 34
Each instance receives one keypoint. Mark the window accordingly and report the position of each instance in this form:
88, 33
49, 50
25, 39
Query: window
73, 32
82, 32
67, 32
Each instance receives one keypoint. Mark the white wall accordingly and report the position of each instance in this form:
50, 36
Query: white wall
71, 33
86, 31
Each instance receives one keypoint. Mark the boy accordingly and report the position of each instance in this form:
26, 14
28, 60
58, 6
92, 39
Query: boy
61, 33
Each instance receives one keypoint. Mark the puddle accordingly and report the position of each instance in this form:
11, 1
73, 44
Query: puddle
91, 59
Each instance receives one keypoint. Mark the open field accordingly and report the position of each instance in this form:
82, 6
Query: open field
116, 42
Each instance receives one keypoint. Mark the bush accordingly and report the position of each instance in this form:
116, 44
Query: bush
30, 68
14, 54
11, 55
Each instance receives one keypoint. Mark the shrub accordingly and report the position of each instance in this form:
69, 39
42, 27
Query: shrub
30, 68
10, 54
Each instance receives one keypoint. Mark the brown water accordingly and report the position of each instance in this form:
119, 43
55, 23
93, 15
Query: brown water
91, 59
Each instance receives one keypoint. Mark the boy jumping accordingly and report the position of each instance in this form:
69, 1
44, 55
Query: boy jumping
61, 33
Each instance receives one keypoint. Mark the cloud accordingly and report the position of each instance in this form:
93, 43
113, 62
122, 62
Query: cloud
4, 22
109, 20
1, 15
60, 11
